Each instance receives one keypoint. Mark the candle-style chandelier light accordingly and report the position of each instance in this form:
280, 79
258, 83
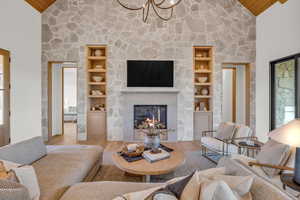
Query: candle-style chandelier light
157, 6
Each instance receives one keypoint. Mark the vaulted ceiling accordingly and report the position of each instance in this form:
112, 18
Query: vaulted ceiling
40, 5
259, 6
255, 6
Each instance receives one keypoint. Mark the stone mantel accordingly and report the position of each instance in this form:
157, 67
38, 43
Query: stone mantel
150, 90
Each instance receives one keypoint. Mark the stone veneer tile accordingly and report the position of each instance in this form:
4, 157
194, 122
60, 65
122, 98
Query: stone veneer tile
69, 25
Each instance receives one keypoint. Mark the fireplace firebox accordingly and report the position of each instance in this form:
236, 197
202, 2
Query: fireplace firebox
143, 112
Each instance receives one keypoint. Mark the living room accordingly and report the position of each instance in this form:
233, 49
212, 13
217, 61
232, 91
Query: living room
120, 98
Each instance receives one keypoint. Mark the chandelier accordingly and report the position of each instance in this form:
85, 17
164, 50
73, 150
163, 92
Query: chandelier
163, 5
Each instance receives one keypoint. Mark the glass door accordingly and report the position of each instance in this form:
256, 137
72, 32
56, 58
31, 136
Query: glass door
284, 91
4, 98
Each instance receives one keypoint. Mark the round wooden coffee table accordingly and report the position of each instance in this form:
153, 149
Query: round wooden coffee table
145, 168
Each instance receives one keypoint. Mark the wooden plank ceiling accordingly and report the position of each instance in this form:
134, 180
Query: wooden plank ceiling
255, 6
40, 5
259, 6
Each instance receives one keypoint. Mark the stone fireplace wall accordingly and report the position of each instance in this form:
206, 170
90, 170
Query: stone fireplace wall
67, 26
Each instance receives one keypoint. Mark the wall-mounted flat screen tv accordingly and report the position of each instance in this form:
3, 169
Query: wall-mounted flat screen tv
141, 73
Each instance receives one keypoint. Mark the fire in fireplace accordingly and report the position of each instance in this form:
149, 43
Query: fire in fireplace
144, 112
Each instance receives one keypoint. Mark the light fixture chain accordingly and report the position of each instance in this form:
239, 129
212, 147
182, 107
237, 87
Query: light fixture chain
156, 6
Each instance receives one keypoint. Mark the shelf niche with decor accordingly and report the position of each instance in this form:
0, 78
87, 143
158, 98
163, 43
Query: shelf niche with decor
203, 89
96, 67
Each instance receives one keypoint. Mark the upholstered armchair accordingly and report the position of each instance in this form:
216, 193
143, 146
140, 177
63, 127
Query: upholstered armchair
224, 140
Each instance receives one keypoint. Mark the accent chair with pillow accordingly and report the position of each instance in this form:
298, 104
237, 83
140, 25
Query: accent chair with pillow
224, 140
273, 159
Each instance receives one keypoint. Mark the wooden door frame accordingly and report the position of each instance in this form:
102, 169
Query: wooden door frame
6, 62
50, 95
248, 88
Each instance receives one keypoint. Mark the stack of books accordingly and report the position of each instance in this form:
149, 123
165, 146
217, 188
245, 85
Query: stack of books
153, 157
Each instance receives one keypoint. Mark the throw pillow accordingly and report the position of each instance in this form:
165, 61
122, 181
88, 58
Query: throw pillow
163, 195
138, 195
273, 153
227, 132
6, 174
11, 191
184, 188
240, 184
27, 177
216, 190
24, 175
8, 165
192, 189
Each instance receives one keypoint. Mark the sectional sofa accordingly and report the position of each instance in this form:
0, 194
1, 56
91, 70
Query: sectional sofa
64, 173
56, 167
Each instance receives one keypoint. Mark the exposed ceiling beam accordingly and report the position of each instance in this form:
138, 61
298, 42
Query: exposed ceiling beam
40, 5
259, 6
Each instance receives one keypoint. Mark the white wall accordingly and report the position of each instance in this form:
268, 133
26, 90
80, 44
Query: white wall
227, 95
278, 35
241, 94
21, 34
70, 87
57, 105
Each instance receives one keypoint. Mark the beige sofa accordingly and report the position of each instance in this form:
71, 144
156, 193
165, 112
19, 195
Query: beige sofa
260, 190
57, 167
61, 170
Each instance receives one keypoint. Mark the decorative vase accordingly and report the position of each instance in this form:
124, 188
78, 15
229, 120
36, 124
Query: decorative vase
202, 106
98, 52
152, 142
204, 91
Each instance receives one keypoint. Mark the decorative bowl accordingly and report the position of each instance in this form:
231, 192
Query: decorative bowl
202, 79
139, 151
96, 92
97, 78
99, 67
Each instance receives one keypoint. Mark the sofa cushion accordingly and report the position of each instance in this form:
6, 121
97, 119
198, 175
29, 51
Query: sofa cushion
25, 152
217, 145
64, 166
104, 190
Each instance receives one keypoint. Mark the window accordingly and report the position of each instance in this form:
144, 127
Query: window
284, 91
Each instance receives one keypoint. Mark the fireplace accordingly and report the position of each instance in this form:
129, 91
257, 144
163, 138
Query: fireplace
143, 112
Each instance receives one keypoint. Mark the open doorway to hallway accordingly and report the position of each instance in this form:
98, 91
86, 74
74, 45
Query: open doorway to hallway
236, 93
4, 97
62, 101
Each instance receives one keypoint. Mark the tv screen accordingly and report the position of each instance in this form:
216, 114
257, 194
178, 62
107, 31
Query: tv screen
150, 73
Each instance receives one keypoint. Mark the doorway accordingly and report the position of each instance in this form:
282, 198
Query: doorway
236, 93
4, 97
62, 100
